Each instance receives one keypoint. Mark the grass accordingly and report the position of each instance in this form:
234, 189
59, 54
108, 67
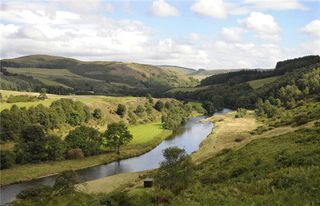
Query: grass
48, 76
146, 132
226, 129
30, 171
256, 84
282, 170
86, 99
111, 183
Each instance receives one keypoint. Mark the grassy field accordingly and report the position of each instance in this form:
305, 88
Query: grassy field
48, 76
141, 144
256, 84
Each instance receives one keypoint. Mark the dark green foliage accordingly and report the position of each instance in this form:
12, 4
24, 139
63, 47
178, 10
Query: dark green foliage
175, 171
32, 145
121, 110
60, 112
97, 114
293, 64
237, 77
7, 159
41, 191
74, 154
139, 109
43, 94
65, 182
88, 139
209, 107
175, 115
159, 105
74, 112
21, 98
149, 98
55, 148
117, 135
12, 122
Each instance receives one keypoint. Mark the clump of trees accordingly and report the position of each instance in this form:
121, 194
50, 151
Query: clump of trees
63, 111
87, 139
175, 115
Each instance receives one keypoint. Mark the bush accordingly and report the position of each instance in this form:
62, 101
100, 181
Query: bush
42, 191
97, 114
139, 109
241, 112
21, 98
175, 171
74, 154
7, 159
159, 105
121, 110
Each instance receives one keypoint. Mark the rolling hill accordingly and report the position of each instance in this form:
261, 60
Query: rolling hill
66, 75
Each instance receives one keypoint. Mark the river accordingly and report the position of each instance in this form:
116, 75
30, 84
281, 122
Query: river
188, 137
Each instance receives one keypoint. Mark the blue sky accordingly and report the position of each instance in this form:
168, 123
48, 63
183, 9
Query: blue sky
208, 34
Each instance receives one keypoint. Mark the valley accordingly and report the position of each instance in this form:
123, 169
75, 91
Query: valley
265, 150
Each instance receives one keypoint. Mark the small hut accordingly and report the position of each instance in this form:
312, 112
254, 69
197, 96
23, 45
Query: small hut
148, 182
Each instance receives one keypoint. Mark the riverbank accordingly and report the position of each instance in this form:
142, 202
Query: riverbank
228, 133
142, 143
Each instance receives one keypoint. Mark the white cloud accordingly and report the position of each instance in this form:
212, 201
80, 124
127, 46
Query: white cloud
277, 4
313, 28
263, 24
212, 8
232, 34
163, 9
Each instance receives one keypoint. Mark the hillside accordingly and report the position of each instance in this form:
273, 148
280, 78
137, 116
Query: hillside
243, 88
66, 75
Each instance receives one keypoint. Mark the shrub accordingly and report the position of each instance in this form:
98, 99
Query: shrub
97, 114
65, 182
241, 112
159, 105
7, 159
175, 171
74, 154
121, 110
42, 191
139, 109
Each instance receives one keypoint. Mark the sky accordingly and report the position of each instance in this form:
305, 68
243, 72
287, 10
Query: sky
210, 34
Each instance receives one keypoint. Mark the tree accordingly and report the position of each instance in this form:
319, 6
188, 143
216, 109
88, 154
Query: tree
65, 183
32, 145
209, 107
117, 135
121, 110
7, 159
88, 139
149, 98
175, 171
97, 114
55, 148
43, 94
159, 105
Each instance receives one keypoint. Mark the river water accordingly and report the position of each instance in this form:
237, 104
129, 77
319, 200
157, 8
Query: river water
188, 137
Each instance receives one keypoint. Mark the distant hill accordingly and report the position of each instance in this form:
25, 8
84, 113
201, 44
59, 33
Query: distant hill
60, 74
243, 88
